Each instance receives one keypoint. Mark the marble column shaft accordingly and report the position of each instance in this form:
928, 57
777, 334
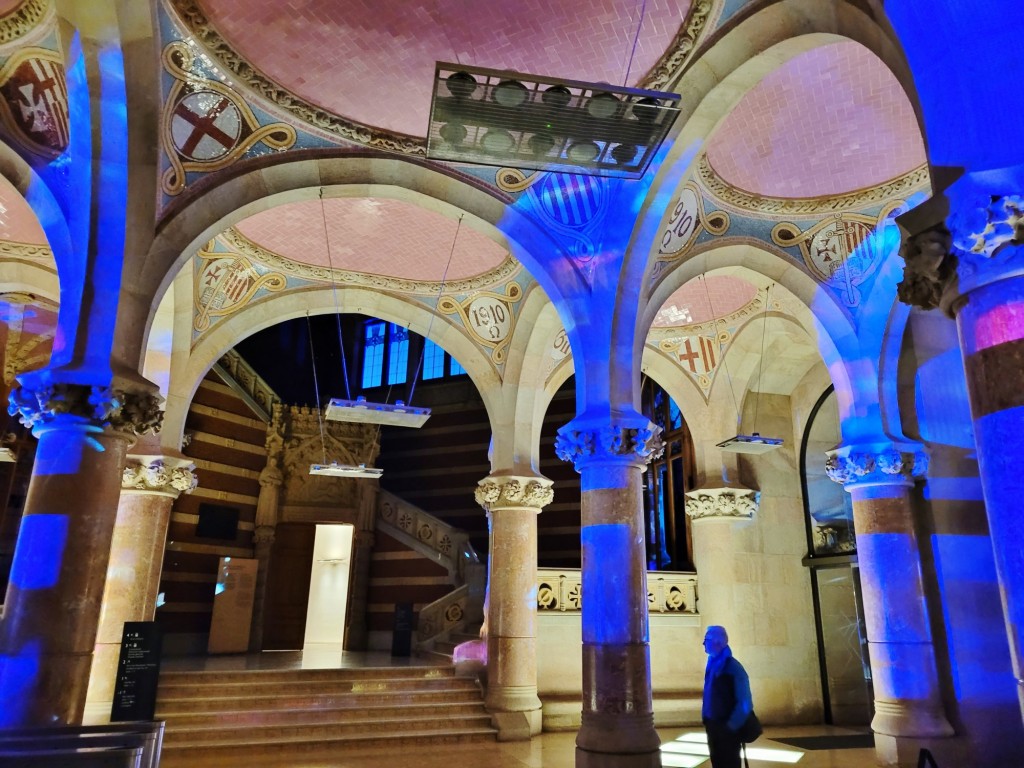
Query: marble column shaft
512, 505
149, 487
618, 712
908, 701
991, 327
963, 254
52, 608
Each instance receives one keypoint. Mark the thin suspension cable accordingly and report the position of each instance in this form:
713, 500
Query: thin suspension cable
725, 365
760, 365
636, 39
437, 302
316, 387
334, 291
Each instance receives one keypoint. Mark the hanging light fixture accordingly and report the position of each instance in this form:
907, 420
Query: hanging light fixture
334, 468
753, 443
361, 410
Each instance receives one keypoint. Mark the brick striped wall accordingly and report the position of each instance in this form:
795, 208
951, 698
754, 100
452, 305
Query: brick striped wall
227, 448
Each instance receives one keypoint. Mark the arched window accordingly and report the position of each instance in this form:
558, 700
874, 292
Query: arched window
666, 481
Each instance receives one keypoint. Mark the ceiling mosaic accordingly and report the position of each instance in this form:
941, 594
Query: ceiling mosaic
375, 236
388, 50
830, 120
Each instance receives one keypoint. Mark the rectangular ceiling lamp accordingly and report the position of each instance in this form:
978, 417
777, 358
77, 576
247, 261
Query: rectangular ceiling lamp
504, 118
359, 410
334, 469
7, 454
750, 444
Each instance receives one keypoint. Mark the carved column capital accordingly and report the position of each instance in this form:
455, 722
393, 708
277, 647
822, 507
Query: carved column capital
158, 475
635, 443
264, 534
962, 239
501, 491
738, 503
132, 412
854, 466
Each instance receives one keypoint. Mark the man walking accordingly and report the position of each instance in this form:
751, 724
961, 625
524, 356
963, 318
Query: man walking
727, 699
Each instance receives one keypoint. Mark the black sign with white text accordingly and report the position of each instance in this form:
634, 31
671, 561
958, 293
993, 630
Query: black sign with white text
138, 672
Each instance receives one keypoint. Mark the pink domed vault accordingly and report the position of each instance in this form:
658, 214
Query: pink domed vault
704, 299
373, 235
831, 120
373, 62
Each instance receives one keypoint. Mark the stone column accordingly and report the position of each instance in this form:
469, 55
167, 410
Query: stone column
908, 702
715, 513
512, 504
149, 486
618, 717
963, 254
52, 608
271, 479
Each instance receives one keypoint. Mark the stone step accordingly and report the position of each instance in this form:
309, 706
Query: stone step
259, 733
242, 748
171, 677
168, 691
353, 710
297, 700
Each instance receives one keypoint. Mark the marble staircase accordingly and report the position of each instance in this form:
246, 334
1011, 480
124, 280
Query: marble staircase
249, 713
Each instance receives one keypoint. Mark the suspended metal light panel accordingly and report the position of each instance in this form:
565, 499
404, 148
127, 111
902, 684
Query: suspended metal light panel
364, 412
8, 455
334, 469
504, 118
751, 444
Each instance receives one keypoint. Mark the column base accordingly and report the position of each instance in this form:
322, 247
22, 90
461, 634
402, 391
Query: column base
587, 759
517, 726
905, 751
618, 734
910, 720
511, 698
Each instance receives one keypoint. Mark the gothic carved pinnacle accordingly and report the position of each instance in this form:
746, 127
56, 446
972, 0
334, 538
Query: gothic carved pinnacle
498, 492
722, 502
136, 413
888, 466
156, 476
638, 444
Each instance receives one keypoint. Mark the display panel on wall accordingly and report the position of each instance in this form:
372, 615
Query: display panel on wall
217, 522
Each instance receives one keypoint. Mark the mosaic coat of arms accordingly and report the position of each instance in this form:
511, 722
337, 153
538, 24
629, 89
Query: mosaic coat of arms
205, 125
34, 107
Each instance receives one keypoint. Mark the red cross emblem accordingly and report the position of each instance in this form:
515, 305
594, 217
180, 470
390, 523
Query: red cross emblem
205, 126
37, 100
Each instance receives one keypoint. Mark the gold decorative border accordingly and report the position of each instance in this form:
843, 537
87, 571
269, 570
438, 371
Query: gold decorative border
513, 293
23, 19
743, 201
177, 59
203, 32
685, 43
13, 250
713, 222
238, 242
513, 180
205, 314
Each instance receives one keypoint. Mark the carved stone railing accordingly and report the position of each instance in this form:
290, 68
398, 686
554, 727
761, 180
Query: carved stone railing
560, 589
443, 544
242, 378
459, 609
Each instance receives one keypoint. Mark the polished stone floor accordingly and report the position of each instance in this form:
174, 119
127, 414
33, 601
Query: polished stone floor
681, 747
558, 750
